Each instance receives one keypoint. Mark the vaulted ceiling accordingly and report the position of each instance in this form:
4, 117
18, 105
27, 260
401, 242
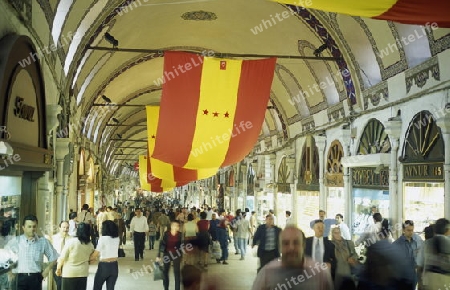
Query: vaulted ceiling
366, 53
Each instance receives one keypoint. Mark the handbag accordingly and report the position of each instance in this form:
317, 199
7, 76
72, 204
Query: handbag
121, 253
158, 271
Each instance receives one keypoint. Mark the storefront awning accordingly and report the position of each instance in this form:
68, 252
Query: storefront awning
370, 160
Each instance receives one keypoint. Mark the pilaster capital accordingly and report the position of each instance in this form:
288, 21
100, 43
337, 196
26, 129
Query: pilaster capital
52, 111
444, 123
393, 128
320, 142
62, 148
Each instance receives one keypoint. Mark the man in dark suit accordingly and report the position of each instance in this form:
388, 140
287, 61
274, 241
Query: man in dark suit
320, 249
267, 237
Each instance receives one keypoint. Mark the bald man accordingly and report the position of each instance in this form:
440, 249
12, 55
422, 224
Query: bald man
295, 270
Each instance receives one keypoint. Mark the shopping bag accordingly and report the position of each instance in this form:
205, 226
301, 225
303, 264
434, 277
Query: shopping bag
158, 271
216, 251
121, 253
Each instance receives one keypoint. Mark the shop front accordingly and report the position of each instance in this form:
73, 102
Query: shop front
308, 188
370, 195
423, 173
369, 177
334, 180
24, 154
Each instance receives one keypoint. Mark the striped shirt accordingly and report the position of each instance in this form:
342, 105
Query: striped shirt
270, 239
31, 254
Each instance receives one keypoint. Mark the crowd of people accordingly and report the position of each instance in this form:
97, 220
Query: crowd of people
186, 238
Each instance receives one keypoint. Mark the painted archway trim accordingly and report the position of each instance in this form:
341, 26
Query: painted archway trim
322, 32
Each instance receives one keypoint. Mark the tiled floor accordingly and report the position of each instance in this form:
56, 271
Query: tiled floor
237, 275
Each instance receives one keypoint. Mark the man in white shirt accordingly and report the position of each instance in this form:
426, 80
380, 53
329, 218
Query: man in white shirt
139, 230
58, 242
345, 231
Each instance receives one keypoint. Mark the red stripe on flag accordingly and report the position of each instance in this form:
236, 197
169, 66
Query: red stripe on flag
253, 96
419, 12
180, 96
184, 175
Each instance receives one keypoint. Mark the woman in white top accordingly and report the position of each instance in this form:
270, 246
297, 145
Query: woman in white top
75, 259
190, 231
107, 249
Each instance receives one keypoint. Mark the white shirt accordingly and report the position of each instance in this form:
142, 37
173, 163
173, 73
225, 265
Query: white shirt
139, 224
321, 248
72, 228
108, 247
57, 242
345, 231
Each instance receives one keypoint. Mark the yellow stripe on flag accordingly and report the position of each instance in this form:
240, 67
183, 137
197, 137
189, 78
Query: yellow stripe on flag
143, 172
160, 169
218, 96
350, 7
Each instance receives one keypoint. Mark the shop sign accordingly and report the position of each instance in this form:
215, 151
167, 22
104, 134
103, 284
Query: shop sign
366, 177
423, 172
23, 110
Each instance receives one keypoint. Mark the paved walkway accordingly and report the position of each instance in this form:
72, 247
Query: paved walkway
237, 275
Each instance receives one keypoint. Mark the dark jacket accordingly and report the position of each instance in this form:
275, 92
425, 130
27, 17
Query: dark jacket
260, 239
163, 243
328, 255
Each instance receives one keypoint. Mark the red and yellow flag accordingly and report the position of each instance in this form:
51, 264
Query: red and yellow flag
404, 11
211, 110
165, 170
147, 181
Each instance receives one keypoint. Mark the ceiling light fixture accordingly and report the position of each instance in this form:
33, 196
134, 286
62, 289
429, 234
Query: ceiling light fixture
106, 99
321, 48
109, 38
115, 120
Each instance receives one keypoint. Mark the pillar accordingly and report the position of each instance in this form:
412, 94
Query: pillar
346, 139
444, 123
393, 129
321, 142
73, 182
61, 150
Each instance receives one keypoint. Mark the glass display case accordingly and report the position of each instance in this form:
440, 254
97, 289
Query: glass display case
423, 202
366, 202
307, 210
336, 203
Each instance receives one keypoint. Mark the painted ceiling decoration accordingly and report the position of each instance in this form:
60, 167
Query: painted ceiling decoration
403, 11
212, 111
165, 170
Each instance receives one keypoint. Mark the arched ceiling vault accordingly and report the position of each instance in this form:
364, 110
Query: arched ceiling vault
131, 80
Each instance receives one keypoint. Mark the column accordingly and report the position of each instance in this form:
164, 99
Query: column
320, 142
393, 129
73, 186
444, 123
62, 149
346, 139
273, 169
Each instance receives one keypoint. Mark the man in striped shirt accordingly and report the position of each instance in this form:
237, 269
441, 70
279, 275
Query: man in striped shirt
31, 256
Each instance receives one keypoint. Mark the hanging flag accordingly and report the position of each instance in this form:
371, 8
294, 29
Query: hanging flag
148, 182
165, 182
165, 170
211, 109
403, 11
